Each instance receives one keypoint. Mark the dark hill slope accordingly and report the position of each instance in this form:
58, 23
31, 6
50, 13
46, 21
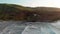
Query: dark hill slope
48, 13
13, 12
21, 13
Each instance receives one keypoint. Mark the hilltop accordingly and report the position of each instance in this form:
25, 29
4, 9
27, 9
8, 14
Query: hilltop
21, 13
13, 12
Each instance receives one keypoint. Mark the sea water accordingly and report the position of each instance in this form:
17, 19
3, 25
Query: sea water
17, 27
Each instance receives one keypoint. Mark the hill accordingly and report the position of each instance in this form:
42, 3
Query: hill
13, 12
21, 13
49, 14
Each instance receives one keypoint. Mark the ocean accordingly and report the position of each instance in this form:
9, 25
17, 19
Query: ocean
19, 27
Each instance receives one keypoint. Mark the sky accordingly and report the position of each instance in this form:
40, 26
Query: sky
34, 3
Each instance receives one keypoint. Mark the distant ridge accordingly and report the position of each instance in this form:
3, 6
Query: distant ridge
21, 13
14, 12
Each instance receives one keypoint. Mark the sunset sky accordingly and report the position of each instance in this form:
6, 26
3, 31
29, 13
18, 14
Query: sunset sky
34, 3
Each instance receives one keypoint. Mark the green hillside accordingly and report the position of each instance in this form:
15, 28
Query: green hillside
13, 12
32, 14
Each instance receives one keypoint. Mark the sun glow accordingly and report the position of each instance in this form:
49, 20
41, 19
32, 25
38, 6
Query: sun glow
34, 3
46, 3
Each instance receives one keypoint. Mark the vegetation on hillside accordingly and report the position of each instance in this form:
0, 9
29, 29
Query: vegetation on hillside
15, 12
18, 12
